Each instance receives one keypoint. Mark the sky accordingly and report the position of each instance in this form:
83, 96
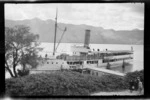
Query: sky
117, 16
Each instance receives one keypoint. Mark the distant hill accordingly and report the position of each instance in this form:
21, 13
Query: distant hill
75, 33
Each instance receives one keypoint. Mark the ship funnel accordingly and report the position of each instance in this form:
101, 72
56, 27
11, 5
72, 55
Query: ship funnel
87, 38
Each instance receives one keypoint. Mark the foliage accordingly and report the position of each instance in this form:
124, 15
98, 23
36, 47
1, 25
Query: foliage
134, 75
20, 48
66, 83
62, 83
23, 72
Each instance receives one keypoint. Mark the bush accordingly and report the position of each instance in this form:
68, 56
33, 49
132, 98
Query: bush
62, 83
133, 76
23, 72
67, 83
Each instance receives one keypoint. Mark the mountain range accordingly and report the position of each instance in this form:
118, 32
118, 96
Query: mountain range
76, 33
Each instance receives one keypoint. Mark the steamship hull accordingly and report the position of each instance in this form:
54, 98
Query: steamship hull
79, 62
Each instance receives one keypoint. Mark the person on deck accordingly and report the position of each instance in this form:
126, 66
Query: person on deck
131, 86
136, 84
123, 66
140, 86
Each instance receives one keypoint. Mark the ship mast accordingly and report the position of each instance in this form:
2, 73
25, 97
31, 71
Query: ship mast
55, 33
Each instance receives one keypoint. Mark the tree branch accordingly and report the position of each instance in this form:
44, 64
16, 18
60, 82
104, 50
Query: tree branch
8, 69
14, 64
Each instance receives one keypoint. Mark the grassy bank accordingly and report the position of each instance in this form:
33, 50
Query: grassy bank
63, 83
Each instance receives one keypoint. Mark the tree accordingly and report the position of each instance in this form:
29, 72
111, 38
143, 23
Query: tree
21, 47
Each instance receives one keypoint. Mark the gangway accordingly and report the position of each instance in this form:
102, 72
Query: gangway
103, 70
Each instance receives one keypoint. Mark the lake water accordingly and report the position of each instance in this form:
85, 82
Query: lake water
66, 48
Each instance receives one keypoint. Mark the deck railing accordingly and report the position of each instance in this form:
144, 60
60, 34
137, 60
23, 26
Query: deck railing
79, 58
91, 57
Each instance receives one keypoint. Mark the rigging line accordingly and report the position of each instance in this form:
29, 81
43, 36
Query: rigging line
61, 38
55, 33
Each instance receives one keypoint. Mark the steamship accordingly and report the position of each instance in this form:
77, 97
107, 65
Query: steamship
84, 58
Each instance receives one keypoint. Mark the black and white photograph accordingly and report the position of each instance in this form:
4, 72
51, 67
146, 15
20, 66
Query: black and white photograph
74, 49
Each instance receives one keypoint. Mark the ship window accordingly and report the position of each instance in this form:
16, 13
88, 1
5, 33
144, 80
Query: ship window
52, 62
87, 62
47, 62
67, 62
103, 61
96, 73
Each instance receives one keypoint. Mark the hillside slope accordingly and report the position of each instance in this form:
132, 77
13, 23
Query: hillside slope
75, 33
